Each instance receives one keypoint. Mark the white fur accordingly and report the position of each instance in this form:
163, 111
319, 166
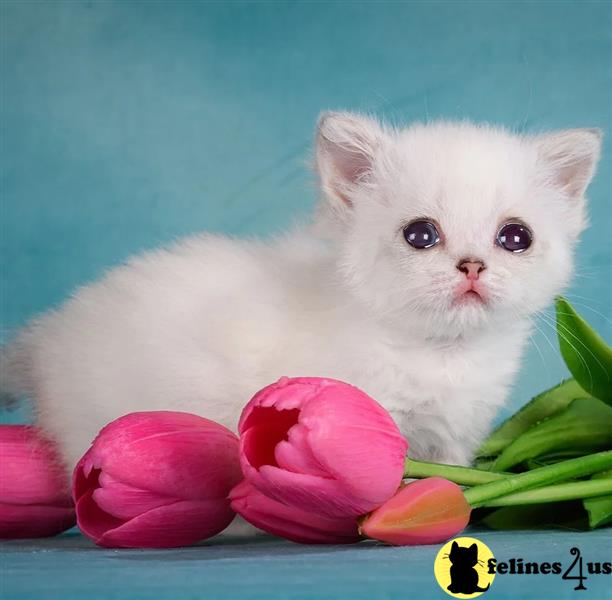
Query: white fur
203, 325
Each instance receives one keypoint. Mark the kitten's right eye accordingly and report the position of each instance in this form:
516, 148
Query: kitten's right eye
421, 234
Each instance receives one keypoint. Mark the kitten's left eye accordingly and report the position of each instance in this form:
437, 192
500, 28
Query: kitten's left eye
421, 234
514, 237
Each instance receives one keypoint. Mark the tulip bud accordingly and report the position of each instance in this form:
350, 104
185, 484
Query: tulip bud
426, 511
288, 521
156, 480
321, 446
34, 491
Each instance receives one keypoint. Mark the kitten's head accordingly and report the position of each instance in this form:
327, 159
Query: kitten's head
453, 225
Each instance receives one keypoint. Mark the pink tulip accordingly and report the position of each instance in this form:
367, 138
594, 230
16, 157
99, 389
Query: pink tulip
321, 446
156, 480
290, 522
34, 492
427, 511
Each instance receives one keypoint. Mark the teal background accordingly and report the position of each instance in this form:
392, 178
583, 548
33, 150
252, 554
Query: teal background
128, 124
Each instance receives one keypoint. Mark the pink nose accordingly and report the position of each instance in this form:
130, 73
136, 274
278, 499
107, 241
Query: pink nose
471, 267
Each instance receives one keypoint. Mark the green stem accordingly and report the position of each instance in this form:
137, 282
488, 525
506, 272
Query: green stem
419, 469
560, 492
481, 495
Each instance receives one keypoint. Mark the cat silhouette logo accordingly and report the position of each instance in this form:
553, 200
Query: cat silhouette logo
461, 567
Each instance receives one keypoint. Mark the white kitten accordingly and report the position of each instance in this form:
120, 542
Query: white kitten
434, 334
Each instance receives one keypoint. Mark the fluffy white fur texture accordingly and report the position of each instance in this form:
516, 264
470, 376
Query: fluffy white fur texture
204, 324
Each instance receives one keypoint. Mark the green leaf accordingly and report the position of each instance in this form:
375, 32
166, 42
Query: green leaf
540, 407
585, 353
484, 463
537, 516
551, 459
584, 426
599, 509
547, 481
557, 492
591, 513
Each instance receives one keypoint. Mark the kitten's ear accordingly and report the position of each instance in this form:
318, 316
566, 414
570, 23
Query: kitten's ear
346, 146
570, 158
473, 548
455, 546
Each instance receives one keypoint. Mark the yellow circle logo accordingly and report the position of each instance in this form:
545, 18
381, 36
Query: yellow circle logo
461, 567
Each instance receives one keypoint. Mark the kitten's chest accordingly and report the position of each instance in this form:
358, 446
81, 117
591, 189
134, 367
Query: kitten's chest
409, 377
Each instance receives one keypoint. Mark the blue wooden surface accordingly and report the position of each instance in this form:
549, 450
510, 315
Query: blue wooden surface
72, 568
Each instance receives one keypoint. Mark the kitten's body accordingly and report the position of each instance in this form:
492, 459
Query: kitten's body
202, 326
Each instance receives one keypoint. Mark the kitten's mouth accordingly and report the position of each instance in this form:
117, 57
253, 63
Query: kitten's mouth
469, 297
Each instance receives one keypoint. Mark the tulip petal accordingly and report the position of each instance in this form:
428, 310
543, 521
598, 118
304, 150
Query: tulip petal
286, 394
34, 492
269, 427
344, 456
294, 454
180, 524
290, 522
315, 494
171, 453
19, 521
427, 511
357, 442
124, 501
135, 486
32, 471
91, 519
